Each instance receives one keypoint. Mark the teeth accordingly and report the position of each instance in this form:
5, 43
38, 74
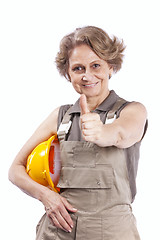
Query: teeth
89, 85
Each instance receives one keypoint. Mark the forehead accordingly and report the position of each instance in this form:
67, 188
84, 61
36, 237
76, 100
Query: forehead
83, 53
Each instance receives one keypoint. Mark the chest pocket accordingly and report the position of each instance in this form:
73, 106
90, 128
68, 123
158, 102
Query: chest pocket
80, 168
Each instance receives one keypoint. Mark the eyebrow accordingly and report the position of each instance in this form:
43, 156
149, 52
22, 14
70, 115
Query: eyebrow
95, 61
78, 63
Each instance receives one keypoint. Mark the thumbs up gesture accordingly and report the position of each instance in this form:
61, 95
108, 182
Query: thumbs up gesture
91, 125
83, 105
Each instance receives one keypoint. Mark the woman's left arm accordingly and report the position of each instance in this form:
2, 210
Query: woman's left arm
129, 127
124, 132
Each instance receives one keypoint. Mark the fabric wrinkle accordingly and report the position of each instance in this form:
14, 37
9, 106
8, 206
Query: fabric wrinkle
96, 181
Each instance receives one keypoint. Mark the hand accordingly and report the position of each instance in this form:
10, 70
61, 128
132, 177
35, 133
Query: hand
91, 125
56, 208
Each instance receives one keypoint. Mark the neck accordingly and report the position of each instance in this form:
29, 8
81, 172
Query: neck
94, 102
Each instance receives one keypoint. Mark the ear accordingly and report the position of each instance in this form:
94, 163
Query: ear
67, 72
110, 72
68, 77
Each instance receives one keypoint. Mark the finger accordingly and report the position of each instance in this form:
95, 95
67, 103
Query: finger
89, 138
68, 206
59, 222
66, 220
64, 212
60, 218
83, 104
90, 124
89, 134
90, 117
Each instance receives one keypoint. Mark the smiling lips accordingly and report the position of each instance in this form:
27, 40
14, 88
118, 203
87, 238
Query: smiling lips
90, 85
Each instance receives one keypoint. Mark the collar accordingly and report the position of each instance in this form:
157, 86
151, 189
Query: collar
103, 107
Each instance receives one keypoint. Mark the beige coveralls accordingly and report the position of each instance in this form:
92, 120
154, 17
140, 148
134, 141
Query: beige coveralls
95, 181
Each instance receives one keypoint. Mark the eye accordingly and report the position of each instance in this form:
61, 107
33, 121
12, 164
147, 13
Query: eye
78, 69
96, 65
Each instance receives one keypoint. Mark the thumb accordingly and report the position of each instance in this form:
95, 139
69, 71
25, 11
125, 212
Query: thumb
83, 105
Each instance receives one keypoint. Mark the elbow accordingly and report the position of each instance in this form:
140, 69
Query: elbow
16, 173
119, 140
11, 175
123, 139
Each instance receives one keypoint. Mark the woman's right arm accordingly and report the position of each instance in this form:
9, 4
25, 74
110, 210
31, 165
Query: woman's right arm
17, 171
56, 206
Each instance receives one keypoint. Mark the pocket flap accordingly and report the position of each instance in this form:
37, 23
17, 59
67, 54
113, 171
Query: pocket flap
100, 177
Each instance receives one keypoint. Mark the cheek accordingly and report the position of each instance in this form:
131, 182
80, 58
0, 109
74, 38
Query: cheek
103, 73
102, 76
75, 84
75, 79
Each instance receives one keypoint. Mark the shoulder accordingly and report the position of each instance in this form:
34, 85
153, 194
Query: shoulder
134, 113
55, 118
49, 126
62, 110
134, 108
125, 107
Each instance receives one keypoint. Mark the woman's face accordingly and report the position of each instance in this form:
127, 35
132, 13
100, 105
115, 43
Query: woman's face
88, 73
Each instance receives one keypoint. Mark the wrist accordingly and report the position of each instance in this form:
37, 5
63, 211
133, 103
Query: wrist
109, 135
42, 193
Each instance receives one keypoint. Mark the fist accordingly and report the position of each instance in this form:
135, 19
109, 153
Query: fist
91, 125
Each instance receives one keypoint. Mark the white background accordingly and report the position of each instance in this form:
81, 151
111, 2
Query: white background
30, 88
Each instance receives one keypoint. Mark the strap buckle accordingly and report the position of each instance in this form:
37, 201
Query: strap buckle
110, 120
64, 127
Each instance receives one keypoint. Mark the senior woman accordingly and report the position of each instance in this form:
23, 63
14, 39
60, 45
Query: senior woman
100, 151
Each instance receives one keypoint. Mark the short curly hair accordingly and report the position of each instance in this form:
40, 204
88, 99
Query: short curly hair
108, 49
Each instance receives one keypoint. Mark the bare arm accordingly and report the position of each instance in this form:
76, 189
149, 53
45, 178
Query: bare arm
130, 125
123, 132
55, 205
17, 172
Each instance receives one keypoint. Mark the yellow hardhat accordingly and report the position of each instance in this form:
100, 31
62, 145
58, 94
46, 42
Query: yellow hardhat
44, 165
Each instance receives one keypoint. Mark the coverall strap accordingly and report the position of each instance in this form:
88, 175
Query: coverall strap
64, 126
120, 102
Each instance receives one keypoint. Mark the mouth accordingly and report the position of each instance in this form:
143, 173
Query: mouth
90, 85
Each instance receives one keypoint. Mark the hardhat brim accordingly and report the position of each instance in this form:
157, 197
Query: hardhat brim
46, 161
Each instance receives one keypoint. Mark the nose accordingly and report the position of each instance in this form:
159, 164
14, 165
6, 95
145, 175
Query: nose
87, 76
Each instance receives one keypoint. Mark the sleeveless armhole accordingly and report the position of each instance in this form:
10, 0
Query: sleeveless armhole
63, 109
121, 108
132, 157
